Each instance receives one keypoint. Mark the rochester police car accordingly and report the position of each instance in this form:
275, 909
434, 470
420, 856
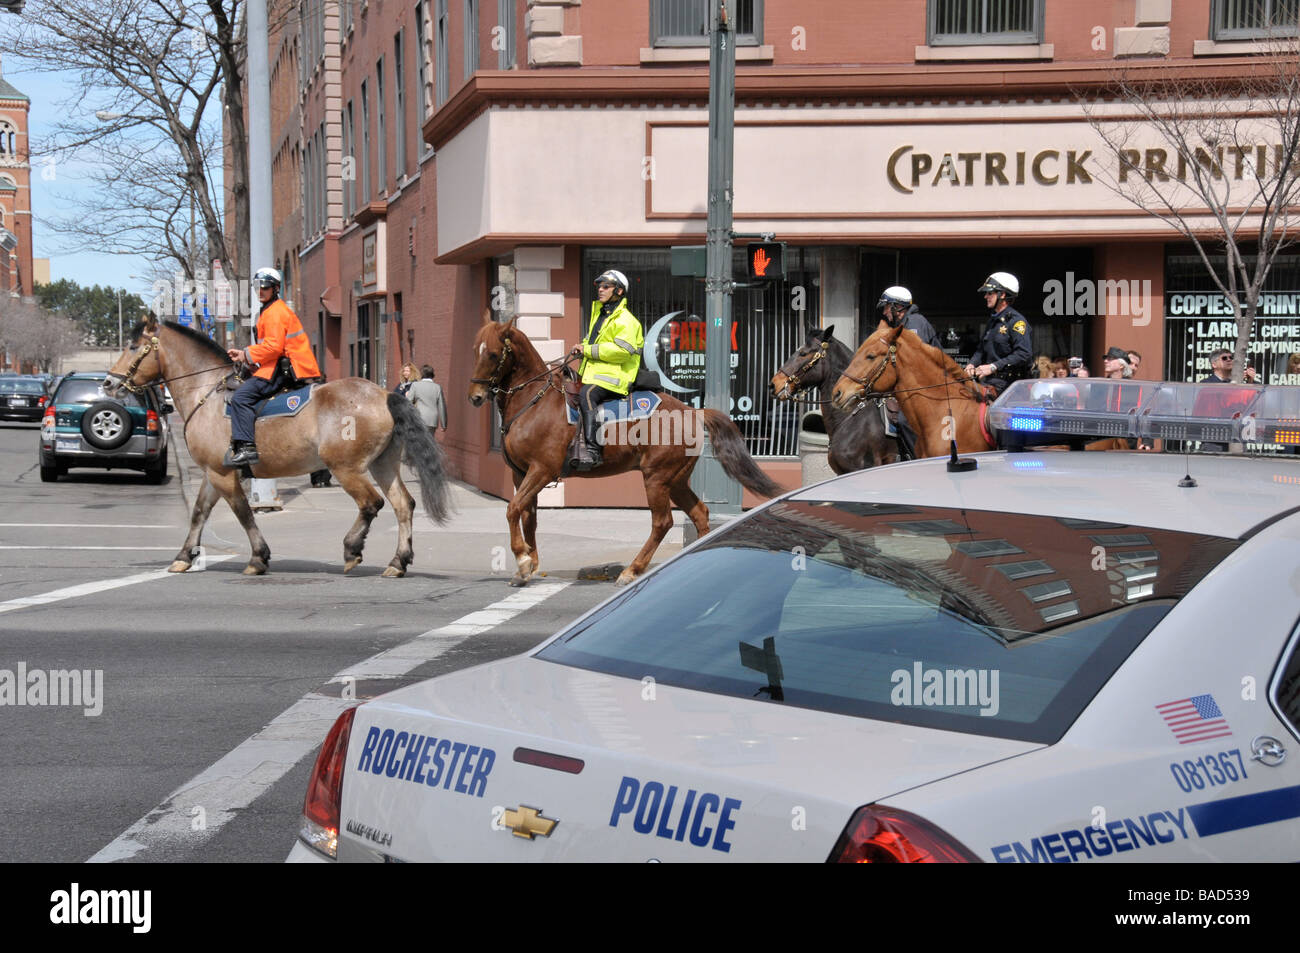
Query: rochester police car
1054, 656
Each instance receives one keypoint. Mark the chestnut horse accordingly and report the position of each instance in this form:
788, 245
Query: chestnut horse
930, 387
350, 426
857, 440
536, 436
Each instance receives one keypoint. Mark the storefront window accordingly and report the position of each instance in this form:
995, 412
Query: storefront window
1198, 319
768, 324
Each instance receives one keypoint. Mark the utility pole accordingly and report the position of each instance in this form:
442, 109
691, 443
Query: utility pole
265, 495
719, 491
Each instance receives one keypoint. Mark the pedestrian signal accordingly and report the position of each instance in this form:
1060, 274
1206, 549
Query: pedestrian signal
766, 260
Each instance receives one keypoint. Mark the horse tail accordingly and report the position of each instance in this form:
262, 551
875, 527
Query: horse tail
729, 450
424, 455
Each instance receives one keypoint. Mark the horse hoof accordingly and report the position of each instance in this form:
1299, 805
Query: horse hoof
624, 578
178, 566
352, 564
254, 569
518, 579
392, 572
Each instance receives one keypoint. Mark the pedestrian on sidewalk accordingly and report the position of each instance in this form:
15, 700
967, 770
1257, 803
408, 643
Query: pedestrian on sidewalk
426, 395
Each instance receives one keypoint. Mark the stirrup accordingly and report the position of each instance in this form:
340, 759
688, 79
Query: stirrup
245, 456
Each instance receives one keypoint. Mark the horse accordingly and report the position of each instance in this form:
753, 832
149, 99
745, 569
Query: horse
536, 435
857, 440
941, 401
350, 426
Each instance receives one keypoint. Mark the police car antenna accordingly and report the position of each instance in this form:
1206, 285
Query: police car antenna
1187, 482
956, 464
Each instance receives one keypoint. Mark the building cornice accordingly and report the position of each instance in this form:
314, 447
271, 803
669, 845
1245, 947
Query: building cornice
689, 86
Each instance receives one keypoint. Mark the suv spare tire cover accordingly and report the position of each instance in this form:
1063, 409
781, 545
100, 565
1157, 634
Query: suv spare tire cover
106, 425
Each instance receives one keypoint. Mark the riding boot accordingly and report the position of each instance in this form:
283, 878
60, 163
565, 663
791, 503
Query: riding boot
243, 453
589, 450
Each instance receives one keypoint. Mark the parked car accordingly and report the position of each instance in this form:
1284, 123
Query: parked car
82, 427
1053, 656
22, 398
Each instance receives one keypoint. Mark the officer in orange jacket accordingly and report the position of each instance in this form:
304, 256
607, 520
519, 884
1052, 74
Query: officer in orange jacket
279, 335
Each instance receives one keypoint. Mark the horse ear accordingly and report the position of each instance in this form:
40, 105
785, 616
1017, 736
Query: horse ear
487, 315
151, 324
827, 334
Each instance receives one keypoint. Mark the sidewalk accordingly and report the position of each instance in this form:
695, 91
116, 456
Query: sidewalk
475, 540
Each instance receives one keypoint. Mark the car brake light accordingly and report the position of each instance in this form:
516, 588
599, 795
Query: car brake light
151, 421
884, 835
321, 807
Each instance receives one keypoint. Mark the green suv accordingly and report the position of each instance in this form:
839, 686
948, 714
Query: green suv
83, 427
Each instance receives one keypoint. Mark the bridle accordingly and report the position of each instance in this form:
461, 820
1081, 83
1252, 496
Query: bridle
125, 380
494, 382
503, 394
795, 381
891, 358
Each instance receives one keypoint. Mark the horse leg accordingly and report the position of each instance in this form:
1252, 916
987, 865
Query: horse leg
369, 503
521, 511
528, 524
227, 484
685, 500
207, 498
661, 521
387, 473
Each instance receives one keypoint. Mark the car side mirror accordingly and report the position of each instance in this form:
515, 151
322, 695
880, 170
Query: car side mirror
168, 407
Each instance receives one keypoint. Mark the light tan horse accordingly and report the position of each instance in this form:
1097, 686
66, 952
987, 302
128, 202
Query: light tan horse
351, 426
536, 433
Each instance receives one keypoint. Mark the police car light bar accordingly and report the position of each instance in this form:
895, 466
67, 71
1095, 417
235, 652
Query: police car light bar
1077, 410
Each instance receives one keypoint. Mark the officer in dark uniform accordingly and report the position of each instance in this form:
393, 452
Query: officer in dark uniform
898, 309
1004, 354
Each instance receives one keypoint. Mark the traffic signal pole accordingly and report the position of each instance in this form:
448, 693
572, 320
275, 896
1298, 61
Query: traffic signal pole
719, 491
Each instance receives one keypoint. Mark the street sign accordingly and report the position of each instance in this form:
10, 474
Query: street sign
689, 261
765, 261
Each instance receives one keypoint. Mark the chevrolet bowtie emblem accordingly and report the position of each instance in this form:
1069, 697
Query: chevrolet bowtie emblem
528, 822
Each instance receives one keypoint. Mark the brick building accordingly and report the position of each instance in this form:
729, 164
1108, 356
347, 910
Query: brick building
453, 156
15, 193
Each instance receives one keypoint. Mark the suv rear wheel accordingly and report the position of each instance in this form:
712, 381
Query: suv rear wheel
106, 425
158, 473
52, 473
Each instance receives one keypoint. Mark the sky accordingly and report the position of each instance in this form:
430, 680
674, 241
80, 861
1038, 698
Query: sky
47, 91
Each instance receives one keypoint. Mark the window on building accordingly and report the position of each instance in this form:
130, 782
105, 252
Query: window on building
440, 54
308, 183
399, 107
381, 131
345, 17
687, 23
1254, 19
507, 15
361, 363
322, 193
8, 145
423, 62
349, 170
365, 145
471, 37
972, 22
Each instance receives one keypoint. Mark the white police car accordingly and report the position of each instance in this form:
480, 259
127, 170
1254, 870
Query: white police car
1066, 657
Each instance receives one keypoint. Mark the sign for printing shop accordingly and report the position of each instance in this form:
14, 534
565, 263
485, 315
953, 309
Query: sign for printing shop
1200, 323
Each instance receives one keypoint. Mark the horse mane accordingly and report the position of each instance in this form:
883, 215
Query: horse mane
839, 354
950, 369
205, 342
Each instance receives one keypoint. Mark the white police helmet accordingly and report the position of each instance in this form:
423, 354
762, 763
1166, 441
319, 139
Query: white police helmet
614, 277
895, 295
1001, 281
267, 278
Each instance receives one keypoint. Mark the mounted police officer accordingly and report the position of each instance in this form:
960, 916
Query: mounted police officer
282, 355
1005, 353
611, 354
899, 310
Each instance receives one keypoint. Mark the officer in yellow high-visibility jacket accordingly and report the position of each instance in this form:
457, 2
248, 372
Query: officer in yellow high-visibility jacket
611, 355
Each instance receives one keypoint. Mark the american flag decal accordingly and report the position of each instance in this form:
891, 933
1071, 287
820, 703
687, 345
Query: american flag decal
1194, 719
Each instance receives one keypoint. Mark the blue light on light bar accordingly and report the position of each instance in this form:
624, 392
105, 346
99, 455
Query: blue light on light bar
1028, 464
1026, 423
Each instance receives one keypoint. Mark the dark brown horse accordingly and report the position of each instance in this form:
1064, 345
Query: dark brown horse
857, 440
536, 437
351, 426
938, 397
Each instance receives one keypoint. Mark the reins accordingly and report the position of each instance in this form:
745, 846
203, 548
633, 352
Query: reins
125, 380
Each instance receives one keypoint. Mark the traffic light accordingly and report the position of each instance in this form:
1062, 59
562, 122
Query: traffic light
765, 261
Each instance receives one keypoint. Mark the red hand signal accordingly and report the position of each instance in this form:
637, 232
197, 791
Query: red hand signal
761, 261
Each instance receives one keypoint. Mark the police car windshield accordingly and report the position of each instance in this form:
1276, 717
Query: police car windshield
991, 623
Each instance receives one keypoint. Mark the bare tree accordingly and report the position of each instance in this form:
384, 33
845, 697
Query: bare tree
1217, 159
30, 334
158, 77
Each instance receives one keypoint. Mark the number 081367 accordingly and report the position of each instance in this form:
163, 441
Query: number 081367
1209, 771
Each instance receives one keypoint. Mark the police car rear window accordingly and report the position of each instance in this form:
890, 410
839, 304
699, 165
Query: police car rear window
991, 623
89, 391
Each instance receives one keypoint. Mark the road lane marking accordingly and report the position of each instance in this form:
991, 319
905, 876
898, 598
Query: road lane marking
133, 549
96, 525
89, 588
244, 774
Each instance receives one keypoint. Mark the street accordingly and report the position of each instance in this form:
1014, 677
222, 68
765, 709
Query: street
195, 665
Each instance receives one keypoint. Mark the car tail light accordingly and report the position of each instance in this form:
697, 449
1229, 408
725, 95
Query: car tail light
42, 402
47, 424
320, 809
883, 835
151, 421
